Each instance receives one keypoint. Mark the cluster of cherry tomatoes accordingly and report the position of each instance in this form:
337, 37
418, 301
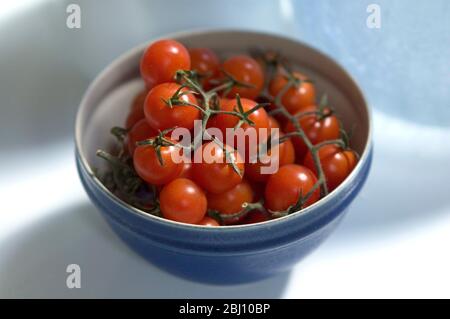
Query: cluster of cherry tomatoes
216, 193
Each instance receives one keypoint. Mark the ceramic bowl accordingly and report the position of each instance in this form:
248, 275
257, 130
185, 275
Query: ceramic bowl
233, 254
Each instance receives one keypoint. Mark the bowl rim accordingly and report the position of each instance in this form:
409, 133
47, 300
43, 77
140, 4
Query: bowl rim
174, 35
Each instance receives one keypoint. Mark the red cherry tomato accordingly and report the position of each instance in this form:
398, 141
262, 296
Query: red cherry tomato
278, 156
255, 216
138, 102
297, 97
183, 201
231, 201
148, 167
161, 116
139, 132
161, 60
187, 172
213, 173
288, 154
246, 70
284, 187
208, 221
259, 118
273, 123
336, 164
137, 110
317, 130
206, 63
211, 122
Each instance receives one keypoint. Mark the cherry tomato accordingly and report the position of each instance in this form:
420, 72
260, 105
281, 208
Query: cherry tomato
208, 221
231, 201
161, 116
139, 132
212, 170
255, 216
161, 60
148, 167
137, 110
297, 97
273, 123
278, 156
206, 63
284, 187
336, 163
138, 102
258, 117
288, 154
246, 70
187, 172
211, 122
317, 130
183, 201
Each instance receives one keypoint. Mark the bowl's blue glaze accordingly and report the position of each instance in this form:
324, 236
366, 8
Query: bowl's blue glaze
225, 255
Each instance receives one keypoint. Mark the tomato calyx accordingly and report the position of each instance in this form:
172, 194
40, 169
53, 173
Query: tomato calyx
175, 99
238, 111
159, 141
189, 78
230, 83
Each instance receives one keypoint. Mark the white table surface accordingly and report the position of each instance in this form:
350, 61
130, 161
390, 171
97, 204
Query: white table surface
393, 243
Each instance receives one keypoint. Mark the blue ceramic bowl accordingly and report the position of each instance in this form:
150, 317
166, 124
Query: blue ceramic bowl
221, 255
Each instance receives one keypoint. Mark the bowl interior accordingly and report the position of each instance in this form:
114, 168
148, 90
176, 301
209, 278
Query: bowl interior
107, 101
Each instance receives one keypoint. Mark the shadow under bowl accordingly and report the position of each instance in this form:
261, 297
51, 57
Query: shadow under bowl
233, 254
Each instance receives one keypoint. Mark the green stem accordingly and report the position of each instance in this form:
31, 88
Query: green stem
337, 142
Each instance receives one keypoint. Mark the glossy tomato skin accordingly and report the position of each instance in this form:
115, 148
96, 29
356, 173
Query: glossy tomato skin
206, 63
161, 60
137, 110
187, 171
279, 155
273, 123
317, 130
161, 116
246, 70
139, 132
284, 187
208, 221
183, 201
336, 163
212, 172
148, 167
231, 201
297, 97
228, 121
288, 155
